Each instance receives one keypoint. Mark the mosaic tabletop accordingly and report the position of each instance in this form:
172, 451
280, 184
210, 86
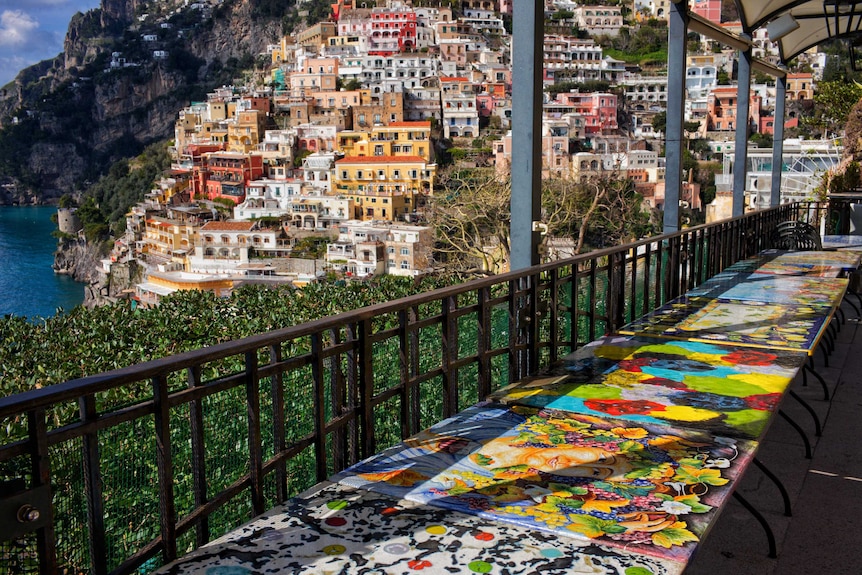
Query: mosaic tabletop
767, 288
334, 529
842, 241
810, 263
722, 389
644, 488
746, 323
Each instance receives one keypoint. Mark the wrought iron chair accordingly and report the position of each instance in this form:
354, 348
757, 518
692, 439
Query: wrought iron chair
795, 235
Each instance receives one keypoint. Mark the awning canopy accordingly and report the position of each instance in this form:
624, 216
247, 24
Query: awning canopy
797, 25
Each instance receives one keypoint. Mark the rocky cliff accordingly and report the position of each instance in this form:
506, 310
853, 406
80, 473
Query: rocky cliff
81, 261
107, 96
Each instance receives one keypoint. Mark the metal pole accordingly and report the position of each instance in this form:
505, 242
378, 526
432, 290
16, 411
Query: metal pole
740, 151
673, 135
527, 44
778, 141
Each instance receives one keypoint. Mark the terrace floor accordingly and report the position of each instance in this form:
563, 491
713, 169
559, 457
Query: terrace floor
826, 490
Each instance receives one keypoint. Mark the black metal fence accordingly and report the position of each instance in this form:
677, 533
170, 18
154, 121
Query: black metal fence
221, 434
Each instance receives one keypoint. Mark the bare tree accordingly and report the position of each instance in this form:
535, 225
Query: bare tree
471, 215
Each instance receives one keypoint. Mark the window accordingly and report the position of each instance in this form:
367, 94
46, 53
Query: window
390, 250
405, 251
405, 265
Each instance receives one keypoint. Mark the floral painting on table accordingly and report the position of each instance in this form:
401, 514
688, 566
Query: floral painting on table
750, 323
768, 288
726, 390
333, 528
843, 260
649, 489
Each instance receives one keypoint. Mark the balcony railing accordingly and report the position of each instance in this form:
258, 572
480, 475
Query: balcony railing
214, 436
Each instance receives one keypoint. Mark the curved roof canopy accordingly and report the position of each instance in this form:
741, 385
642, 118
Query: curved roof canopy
797, 25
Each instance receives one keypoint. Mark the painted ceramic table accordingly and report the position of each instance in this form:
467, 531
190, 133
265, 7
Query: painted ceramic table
726, 390
766, 288
841, 241
773, 326
334, 528
643, 488
808, 263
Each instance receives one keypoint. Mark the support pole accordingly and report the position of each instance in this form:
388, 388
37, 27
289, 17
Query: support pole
778, 141
740, 151
527, 42
673, 135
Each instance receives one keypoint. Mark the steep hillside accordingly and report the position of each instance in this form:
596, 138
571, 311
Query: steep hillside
126, 70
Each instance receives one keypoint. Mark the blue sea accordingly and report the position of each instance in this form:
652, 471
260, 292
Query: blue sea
28, 285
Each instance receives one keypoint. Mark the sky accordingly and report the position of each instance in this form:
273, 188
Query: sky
33, 30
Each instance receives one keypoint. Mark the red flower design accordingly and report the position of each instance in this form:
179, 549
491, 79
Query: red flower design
484, 536
635, 364
418, 564
763, 402
623, 406
750, 357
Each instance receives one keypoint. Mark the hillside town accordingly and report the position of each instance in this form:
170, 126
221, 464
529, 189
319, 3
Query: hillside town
326, 164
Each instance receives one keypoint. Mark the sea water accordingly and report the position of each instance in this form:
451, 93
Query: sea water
28, 285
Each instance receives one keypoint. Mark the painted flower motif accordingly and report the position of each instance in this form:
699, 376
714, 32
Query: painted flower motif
624, 407
675, 508
418, 565
630, 432
750, 357
635, 364
763, 401
718, 462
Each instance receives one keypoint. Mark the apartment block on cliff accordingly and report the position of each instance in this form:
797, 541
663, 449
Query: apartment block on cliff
384, 187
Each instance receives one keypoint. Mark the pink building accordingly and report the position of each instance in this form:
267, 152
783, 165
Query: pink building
709, 9
598, 109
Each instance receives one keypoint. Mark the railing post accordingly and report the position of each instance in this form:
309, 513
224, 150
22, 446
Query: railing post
93, 488
616, 295
40, 467
365, 362
320, 451
199, 469
255, 450
483, 345
449, 332
164, 458
276, 386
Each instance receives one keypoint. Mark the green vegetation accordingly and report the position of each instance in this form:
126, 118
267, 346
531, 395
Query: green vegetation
128, 181
646, 45
84, 342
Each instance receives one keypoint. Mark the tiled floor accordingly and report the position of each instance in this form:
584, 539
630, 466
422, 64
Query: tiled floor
824, 534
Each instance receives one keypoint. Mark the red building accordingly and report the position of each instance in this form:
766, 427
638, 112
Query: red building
226, 175
393, 30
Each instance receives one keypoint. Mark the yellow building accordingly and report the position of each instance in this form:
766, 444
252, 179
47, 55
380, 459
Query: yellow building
244, 134
384, 187
167, 242
400, 139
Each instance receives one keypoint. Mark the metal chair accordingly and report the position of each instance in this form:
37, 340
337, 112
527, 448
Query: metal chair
795, 235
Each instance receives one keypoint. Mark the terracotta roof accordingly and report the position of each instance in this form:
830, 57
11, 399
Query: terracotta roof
381, 160
227, 226
454, 79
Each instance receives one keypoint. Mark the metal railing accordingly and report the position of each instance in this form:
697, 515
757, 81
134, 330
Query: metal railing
215, 436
